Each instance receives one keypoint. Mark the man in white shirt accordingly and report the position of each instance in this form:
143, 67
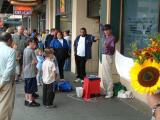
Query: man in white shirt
7, 72
83, 52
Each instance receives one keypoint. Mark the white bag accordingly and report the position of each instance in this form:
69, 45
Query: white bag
79, 92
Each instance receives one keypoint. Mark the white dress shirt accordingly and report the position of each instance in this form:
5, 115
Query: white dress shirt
61, 41
7, 63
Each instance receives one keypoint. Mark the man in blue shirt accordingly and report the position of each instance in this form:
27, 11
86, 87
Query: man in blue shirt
7, 72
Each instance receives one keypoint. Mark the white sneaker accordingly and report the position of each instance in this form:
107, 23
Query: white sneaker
41, 83
77, 80
62, 80
82, 81
108, 96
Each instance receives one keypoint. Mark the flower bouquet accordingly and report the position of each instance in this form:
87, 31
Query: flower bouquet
145, 74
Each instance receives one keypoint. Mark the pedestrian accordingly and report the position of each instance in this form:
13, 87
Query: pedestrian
40, 43
34, 33
67, 65
107, 59
29, 72
50, 73
7, 70
50, 37
82, 48
61, 50
40, 59
18, 57
21, 41
43, 35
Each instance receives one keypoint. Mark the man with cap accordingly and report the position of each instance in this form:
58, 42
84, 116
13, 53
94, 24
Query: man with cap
107, 59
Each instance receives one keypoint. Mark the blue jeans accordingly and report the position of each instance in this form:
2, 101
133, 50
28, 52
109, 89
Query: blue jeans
67, 65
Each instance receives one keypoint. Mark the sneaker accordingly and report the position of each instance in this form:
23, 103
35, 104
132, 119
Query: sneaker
33, 104
82, 81
26, 103
77, 80
108, 96
38, 83
41, 83
62, 80
51, 106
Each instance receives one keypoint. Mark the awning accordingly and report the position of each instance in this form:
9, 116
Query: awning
25, 2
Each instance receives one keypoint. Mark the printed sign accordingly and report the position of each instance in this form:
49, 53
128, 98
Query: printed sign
22, 10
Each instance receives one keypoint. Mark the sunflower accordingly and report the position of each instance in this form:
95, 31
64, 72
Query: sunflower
145, 78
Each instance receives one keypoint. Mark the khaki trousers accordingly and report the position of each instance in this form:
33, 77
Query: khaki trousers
107, 74
7, 97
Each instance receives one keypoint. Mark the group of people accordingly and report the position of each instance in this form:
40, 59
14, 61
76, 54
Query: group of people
29, 58
41, 60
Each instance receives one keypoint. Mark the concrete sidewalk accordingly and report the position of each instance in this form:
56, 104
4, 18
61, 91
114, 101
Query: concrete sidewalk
70, 108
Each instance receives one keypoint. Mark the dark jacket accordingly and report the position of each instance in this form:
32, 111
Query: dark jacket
48, 40
89, 39
60, 51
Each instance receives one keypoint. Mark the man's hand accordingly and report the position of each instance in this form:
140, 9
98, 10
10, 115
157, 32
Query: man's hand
97, 21
96, 38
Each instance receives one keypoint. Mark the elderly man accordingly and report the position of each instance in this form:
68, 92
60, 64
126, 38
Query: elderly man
7, 71
21, 40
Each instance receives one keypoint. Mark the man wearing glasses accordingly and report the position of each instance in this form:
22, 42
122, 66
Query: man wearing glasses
21, 41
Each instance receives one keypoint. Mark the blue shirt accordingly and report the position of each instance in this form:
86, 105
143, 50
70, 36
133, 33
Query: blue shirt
7, 63
40, 60
55, 44
61, 50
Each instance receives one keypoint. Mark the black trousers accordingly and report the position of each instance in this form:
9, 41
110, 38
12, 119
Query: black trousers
48, 94
81, 66
61, 62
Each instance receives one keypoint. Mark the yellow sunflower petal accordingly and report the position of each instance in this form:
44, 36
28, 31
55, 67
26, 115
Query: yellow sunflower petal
134, 74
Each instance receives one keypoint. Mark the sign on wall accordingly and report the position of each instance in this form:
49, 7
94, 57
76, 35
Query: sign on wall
62, 6
22, 10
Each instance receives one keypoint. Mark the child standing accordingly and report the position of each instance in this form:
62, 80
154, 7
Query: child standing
40, 58
29, 69
49, 79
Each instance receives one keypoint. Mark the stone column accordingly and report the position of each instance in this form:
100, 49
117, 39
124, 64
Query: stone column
50, 14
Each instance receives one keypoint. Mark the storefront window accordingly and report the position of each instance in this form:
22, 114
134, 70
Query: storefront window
141, 18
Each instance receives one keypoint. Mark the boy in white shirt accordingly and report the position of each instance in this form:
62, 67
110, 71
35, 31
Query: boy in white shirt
49, 78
